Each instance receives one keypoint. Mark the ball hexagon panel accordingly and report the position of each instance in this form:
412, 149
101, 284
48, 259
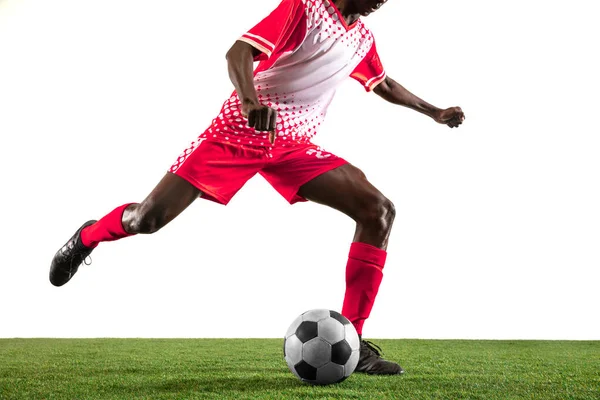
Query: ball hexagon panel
292, 329
292, 350
307, 330
352, 337
331, 330
330, 373
352, 363
340, 352
315, 315
316, 352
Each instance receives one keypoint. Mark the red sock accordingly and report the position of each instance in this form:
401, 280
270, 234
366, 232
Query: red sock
363, 277
109, 228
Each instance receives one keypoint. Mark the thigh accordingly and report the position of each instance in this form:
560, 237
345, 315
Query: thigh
289, 169
345, 189
169, 198
219, 170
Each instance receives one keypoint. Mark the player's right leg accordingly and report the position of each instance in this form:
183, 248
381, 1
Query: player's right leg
216, 171
168, 199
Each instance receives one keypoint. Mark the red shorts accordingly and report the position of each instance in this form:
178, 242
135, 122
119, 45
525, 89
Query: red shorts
220, 170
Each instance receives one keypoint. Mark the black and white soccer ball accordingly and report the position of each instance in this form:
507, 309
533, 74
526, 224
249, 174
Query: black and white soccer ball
321, 347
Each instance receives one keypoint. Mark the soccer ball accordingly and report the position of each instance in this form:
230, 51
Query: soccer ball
321, 347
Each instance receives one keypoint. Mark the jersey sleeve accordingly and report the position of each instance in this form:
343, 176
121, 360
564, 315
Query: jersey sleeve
273, 31
369, 72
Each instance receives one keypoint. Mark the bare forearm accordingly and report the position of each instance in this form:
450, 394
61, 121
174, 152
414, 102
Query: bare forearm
240, 63
392, 91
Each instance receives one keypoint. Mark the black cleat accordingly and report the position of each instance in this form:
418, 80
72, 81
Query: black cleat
370, 361
67, 260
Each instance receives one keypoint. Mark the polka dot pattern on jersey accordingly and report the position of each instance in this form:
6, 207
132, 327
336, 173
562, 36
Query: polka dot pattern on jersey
299, 83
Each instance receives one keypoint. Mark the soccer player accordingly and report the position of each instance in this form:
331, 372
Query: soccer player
306, 48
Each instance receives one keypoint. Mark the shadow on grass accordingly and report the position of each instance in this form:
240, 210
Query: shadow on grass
221, 385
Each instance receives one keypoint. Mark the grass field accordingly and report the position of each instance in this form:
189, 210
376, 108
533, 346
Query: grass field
255, 369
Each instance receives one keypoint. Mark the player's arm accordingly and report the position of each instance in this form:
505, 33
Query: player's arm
395, 93
260, 43
240, 62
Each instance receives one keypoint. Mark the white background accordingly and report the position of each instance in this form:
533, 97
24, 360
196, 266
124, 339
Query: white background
498, 223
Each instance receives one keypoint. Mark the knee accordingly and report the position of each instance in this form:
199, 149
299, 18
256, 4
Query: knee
145, 220
377, 214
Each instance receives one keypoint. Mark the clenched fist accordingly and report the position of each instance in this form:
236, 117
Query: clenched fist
452, 117
261, 118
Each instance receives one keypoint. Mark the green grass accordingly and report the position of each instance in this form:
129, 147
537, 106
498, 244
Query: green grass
255, 369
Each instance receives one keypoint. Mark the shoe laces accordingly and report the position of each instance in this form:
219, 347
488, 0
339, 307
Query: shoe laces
71, 246
372, 347
68, 246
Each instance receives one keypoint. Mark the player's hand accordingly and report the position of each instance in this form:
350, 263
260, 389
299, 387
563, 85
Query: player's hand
452, 117
261, 118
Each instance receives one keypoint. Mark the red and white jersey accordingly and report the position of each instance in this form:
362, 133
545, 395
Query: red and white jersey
307, 50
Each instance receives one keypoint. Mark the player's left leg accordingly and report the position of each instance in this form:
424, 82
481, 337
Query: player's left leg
347, 189
307, 172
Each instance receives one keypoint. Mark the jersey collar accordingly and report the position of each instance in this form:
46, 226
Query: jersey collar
341, 17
